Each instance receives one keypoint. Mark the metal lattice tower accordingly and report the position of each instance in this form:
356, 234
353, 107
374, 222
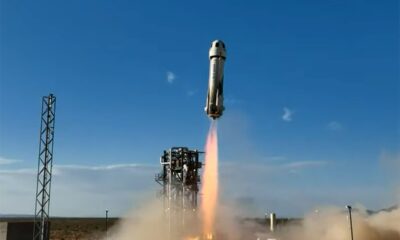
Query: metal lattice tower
45, 164
180, 181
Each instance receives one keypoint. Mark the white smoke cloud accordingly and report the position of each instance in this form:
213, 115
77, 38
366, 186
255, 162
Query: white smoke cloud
287, 114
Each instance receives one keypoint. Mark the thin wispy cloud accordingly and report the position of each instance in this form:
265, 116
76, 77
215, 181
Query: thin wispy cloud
191, 92
7, 161
84, 189
335, 126
271, 182
287, 114
57, 169
391, 160
23, 171
232, 101
277, 167
276, 158
303, 164
105, 167
171, 77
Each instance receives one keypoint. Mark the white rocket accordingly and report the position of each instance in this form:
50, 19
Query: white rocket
215, 98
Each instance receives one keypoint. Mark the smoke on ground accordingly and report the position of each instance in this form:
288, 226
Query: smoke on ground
144, 223
325, 224
333, 224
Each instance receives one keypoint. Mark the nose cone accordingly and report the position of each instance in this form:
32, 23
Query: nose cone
217, 49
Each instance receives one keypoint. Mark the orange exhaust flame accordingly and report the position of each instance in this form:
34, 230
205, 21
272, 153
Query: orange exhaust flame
210, 181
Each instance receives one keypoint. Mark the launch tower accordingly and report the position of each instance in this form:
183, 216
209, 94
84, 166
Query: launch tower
45, 164
179, 179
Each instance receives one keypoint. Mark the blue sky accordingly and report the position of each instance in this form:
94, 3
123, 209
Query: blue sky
311, 92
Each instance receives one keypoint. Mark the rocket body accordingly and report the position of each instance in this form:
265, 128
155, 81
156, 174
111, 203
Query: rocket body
215, 98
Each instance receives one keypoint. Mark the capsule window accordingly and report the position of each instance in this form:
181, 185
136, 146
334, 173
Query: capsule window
217, 44
223, 45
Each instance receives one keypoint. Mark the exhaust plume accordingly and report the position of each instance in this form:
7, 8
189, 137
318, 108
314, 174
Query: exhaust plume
210, 181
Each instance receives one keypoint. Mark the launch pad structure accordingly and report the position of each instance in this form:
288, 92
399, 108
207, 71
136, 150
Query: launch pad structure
180, 181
